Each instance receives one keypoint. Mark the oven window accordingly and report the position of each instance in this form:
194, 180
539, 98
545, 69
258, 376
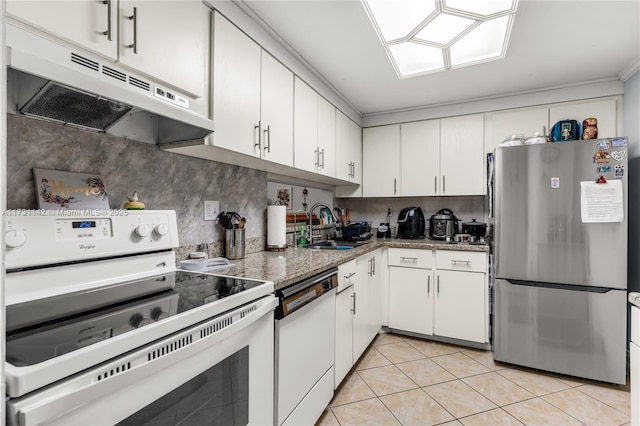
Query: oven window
218, 396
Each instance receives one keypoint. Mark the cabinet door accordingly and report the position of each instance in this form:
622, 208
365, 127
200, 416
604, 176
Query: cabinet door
362, 315
344, 335
411, 299
375, 287
305, 127
81, 22
603, 111
236, 64
460, 307
381, 161
326, 137
420, 147
524, 121
462, 155
343, 147
355, 133
171, 41
276, 111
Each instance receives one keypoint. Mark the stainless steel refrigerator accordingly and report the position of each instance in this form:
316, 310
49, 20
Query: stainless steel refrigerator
561, 257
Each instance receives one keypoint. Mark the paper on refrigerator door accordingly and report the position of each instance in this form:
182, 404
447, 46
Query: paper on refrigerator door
601, 202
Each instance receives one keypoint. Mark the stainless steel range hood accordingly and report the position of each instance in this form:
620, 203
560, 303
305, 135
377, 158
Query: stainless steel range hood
52, 82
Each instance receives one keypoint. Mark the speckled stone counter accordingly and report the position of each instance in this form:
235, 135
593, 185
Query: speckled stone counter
295, 264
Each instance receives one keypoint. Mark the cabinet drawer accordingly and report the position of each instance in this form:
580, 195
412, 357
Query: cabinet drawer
346, 275
461, 260
413, 258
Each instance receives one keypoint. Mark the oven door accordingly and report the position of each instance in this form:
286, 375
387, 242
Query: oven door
220, 370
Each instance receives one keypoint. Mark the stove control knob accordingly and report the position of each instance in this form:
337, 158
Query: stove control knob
15, 239
142, 230
158, 314
138, 321
161, 229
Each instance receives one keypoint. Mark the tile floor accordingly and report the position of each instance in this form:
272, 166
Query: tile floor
406, 381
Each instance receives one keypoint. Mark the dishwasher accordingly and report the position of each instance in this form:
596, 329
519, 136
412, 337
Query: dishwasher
304, 349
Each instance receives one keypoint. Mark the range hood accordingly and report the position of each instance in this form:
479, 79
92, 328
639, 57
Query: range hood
55, 83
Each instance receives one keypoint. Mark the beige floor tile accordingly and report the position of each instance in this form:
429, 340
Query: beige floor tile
537, 383
499, 390
534, 412
431, 348
611, 395
327, 419
571, 381
400, 352
415, 407
453, 423
372, 358
352, 389
368, 412
386, 338
497, 417
585, 408
386, 380
425, 372
485, 358
459, 399
460, 365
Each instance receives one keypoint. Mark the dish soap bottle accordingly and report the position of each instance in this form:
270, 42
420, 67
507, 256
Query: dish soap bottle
302, 236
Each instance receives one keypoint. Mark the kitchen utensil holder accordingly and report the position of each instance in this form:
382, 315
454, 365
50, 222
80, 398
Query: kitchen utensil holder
234, 243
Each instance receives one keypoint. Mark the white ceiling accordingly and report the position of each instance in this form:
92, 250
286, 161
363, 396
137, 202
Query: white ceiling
553, 44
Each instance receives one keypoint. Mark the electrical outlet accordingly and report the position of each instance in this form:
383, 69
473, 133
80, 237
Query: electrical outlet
211, 210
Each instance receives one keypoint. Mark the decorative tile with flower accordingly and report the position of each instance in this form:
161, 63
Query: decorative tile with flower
58, 189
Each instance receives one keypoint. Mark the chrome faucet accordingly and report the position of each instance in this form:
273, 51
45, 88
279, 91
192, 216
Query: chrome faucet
313, 207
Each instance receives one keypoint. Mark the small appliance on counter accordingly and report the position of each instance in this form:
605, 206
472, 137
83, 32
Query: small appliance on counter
411, 223
476, 230
443, 224
356, 231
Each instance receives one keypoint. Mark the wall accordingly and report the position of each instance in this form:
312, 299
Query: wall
163, 180
631, 129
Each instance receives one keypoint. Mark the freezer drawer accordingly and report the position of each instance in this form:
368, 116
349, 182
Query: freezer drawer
578, 331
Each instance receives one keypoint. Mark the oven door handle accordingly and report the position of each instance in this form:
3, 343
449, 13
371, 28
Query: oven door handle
70, 397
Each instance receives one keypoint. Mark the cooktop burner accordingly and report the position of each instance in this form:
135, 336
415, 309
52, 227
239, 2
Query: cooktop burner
62, 334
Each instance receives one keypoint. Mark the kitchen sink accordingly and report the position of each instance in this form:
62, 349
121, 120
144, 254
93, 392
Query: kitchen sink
335, 245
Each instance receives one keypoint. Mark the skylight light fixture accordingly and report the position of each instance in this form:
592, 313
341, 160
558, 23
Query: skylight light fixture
427, 36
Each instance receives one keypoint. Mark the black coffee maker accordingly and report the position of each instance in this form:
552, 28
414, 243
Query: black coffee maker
411, 223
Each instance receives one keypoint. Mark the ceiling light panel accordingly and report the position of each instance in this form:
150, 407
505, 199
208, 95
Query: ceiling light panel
422, 36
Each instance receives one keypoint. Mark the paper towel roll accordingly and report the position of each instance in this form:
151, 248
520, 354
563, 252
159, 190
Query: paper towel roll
276, 227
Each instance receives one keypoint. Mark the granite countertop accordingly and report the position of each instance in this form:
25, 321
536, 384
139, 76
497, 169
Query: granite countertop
295, 264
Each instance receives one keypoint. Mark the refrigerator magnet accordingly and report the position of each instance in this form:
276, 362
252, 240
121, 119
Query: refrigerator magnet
618, 171
604, 169
603, 145
601, 157
618, 155
619, 142
555, 182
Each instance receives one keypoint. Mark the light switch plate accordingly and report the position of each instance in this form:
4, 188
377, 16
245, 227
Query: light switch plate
211, 210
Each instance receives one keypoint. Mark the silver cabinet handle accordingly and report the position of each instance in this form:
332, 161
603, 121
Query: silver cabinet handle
373, 262
428, 284
370, 273
317, 155
349, 276
466, 262
435, 184
322, 158
256, 135
353, 296
395, 186
108, 32
267, 138
443, 185
134, 18
408, 259
438, 284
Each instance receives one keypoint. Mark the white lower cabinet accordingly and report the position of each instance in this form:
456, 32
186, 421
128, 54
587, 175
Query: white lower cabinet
442, 293
344, 321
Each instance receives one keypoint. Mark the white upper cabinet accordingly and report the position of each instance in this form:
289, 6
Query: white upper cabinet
167, 41
314, 131
276, 111
420, 146
462, 159
604, 111
523, 121
348, 156
381, 161
252, 97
